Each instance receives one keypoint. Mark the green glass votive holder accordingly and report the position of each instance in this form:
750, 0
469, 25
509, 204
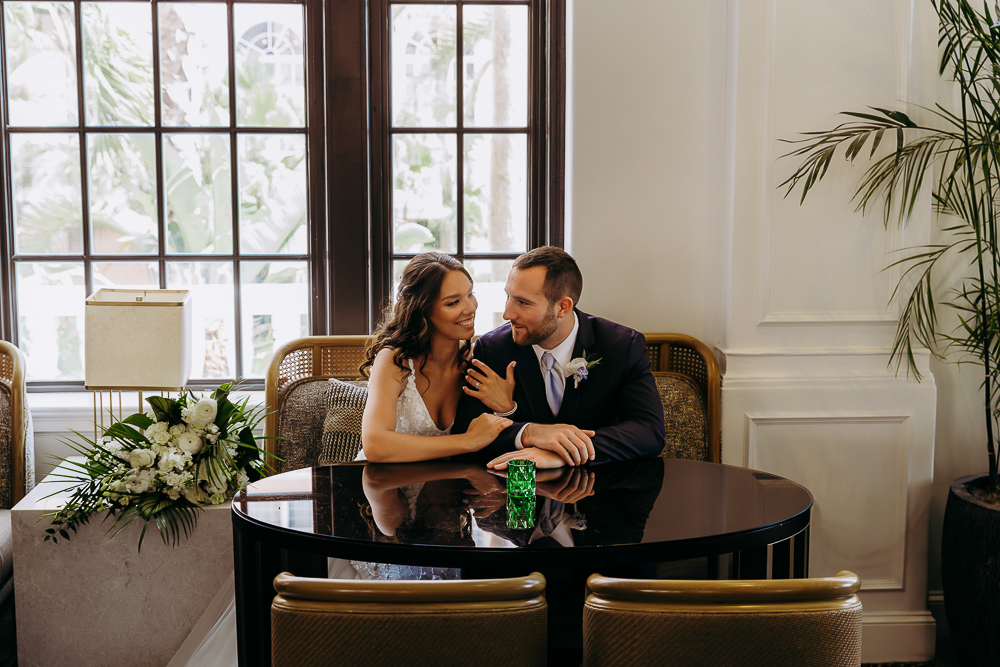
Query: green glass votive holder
520, 478
520, 511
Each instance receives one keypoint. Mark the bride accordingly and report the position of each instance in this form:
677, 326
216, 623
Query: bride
418, 364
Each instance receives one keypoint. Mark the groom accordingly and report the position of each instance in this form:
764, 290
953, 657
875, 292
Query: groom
608, 409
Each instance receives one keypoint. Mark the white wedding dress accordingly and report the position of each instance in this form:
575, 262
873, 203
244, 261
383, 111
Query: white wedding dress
212, 641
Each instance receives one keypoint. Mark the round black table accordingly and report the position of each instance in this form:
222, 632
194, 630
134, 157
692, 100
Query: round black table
449, 514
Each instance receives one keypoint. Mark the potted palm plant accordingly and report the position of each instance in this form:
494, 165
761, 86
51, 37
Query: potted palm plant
958, 149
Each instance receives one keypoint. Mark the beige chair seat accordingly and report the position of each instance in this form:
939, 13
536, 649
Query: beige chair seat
766, 623
480, 622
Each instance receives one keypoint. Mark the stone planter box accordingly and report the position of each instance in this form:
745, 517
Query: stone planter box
97, 601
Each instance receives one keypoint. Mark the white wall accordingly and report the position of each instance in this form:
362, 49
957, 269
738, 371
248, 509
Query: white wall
646, 174
677, 111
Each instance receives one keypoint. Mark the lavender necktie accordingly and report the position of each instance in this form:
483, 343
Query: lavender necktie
553, 383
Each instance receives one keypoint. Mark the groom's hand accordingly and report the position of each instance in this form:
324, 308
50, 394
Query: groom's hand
573, 445
542, 458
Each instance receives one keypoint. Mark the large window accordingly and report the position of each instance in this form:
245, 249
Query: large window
147, 150
282, 160
466, 140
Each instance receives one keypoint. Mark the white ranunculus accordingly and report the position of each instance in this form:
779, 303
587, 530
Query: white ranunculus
140, 458
190, 442
205, 411
573, 366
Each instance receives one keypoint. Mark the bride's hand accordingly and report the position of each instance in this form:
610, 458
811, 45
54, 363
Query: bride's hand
496, 393
484, 429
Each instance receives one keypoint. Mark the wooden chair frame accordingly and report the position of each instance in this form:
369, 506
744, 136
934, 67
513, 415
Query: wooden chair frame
12, 375
339, 357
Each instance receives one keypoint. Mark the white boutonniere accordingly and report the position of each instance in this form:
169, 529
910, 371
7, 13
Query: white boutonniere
579, 368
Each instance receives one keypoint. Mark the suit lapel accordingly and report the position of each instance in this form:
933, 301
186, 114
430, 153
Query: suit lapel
571, 397
529, 380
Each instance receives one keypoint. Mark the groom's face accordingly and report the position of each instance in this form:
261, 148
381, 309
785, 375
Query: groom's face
533, 320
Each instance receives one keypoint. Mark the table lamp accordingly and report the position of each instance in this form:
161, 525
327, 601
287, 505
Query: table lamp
135, 340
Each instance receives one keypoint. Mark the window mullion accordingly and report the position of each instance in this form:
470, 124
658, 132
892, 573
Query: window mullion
88, 272
234, 185
459, 132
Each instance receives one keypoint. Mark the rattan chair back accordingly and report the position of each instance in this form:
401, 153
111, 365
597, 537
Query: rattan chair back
298, 365
800, 622
465, 622
14, 426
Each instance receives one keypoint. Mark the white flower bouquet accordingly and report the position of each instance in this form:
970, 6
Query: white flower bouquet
163, 466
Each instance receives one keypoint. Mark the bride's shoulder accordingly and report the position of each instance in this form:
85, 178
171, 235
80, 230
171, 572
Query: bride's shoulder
385, 361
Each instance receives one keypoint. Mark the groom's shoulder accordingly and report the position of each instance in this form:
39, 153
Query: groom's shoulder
612, 331
497, 339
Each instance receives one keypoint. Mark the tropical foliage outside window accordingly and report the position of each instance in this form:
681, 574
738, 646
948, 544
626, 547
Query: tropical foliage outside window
147, 150
459, 138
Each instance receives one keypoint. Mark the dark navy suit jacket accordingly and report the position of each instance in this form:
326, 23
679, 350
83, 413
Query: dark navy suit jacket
618, 399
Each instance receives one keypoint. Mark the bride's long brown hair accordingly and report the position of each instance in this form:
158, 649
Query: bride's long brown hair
406, 325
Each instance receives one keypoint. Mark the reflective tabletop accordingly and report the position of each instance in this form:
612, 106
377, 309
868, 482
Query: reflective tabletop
452, 514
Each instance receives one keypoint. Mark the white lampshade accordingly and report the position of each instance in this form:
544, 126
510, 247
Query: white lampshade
138, 339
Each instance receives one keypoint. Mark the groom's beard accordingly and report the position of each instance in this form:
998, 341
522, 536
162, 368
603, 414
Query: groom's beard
545, 329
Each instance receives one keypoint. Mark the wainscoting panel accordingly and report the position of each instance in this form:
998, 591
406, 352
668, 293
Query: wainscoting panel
856, 468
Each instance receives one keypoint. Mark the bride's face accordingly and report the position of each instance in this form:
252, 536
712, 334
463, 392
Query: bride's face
454, 313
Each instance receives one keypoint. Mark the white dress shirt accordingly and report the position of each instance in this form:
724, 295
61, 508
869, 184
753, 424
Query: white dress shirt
562, 353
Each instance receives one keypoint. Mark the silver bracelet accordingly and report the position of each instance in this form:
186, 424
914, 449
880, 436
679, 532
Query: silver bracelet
508, 413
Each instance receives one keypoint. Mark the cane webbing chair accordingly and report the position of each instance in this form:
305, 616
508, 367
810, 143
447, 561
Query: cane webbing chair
295, 391
17, 454
459, 622
800, 622
685, 371
690, 385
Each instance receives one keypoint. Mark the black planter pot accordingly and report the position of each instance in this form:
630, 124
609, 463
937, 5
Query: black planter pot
970, 572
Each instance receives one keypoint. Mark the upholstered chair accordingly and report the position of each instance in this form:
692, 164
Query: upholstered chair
477, 622
316, 421
794, 622
17, 456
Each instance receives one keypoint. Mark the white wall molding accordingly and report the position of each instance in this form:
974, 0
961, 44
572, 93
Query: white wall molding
894, 477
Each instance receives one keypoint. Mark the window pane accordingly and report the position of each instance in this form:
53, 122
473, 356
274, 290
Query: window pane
272, 193
495, 60
122, 275
50, 300
47, 193
275, 310
118, 63
41, 63
496, 192
213, 338
490, 278
422, 50
198, 191
424, 176
270, 74
194, 64
122, 169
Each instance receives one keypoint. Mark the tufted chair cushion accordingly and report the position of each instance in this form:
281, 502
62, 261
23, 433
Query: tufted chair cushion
684, 416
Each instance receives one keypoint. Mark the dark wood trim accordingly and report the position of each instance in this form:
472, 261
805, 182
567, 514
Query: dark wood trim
556, 138
315, 50
347, 185
381, 160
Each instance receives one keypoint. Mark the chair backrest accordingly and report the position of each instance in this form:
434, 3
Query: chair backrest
16, 450
801, 622
690, 385
462, 622
686, 373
